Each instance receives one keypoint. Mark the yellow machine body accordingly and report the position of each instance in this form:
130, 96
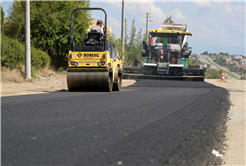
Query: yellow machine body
91, 59
95, 64
86, 71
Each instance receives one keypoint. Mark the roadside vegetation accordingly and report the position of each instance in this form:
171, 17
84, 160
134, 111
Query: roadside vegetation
50, 27
13, 55
233, 65
209, 61
1, 18
210, 73
132, 43
213, 74
229, 73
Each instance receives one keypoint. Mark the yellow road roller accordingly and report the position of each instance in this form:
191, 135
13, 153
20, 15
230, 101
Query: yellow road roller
95, 65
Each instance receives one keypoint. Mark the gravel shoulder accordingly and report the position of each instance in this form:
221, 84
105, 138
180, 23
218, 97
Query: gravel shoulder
53, 83
235, 150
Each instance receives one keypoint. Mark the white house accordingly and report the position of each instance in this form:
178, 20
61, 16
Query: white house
237, 57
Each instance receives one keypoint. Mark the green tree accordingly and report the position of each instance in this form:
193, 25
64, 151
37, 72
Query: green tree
117, 43
204, 53
145, 37
213, 74
50, 25
222, 53
2, 18
131, 44
139, 45
169, 20
126, 41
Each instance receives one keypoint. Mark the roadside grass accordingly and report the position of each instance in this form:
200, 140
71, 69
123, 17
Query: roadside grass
208, 60
212, 74
228, 73
17, 75
219, 68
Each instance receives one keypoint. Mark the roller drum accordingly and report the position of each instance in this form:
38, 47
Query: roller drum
89, 81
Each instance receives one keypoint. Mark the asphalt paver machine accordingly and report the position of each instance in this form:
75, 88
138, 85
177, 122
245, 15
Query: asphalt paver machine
166, 54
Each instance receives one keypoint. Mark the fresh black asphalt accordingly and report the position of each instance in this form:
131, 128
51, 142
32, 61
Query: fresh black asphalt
153, 122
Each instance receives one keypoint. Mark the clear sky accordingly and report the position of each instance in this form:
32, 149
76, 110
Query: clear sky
217, 26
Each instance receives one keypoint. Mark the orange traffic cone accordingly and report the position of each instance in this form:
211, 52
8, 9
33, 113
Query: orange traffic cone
223, 76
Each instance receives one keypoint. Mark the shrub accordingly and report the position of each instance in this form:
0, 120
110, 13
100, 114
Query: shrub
13, 54
60, 69
33, 72
213, 74
2, 18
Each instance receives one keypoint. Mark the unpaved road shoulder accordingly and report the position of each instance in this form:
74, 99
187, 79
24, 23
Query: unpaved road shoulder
235, 150
53, 83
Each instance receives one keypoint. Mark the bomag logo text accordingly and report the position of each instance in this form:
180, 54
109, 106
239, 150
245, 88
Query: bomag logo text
91, 55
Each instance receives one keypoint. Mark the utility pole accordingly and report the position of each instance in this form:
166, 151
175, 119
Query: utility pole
123, 30
147, 27
27, 41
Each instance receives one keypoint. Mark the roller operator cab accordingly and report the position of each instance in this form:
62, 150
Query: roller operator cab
95, 64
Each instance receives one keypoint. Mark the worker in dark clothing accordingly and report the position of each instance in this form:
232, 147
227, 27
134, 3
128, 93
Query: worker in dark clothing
136, 62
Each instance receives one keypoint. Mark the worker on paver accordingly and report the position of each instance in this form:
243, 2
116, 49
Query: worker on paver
136, 62
165, 40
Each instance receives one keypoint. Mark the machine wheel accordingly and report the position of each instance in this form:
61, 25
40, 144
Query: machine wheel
90, 81
202, 79
110, 83
118, 83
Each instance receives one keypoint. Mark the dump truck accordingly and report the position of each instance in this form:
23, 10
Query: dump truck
166, 55
94, 65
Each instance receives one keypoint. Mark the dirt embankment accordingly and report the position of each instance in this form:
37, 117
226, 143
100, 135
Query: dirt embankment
12, 84
236, 145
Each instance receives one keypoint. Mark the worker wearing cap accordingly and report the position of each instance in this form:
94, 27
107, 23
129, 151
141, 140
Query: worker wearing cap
98, 28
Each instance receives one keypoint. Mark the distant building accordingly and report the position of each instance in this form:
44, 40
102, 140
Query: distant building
243, 66
234, 62
192, 58
243, 62
228, 59
237, 57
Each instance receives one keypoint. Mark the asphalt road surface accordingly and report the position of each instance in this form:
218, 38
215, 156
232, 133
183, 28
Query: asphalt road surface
153, 122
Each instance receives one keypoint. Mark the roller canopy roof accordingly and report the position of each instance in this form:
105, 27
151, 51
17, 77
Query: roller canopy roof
169, 33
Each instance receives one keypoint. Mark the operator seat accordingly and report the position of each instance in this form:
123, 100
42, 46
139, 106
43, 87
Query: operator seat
94, 38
